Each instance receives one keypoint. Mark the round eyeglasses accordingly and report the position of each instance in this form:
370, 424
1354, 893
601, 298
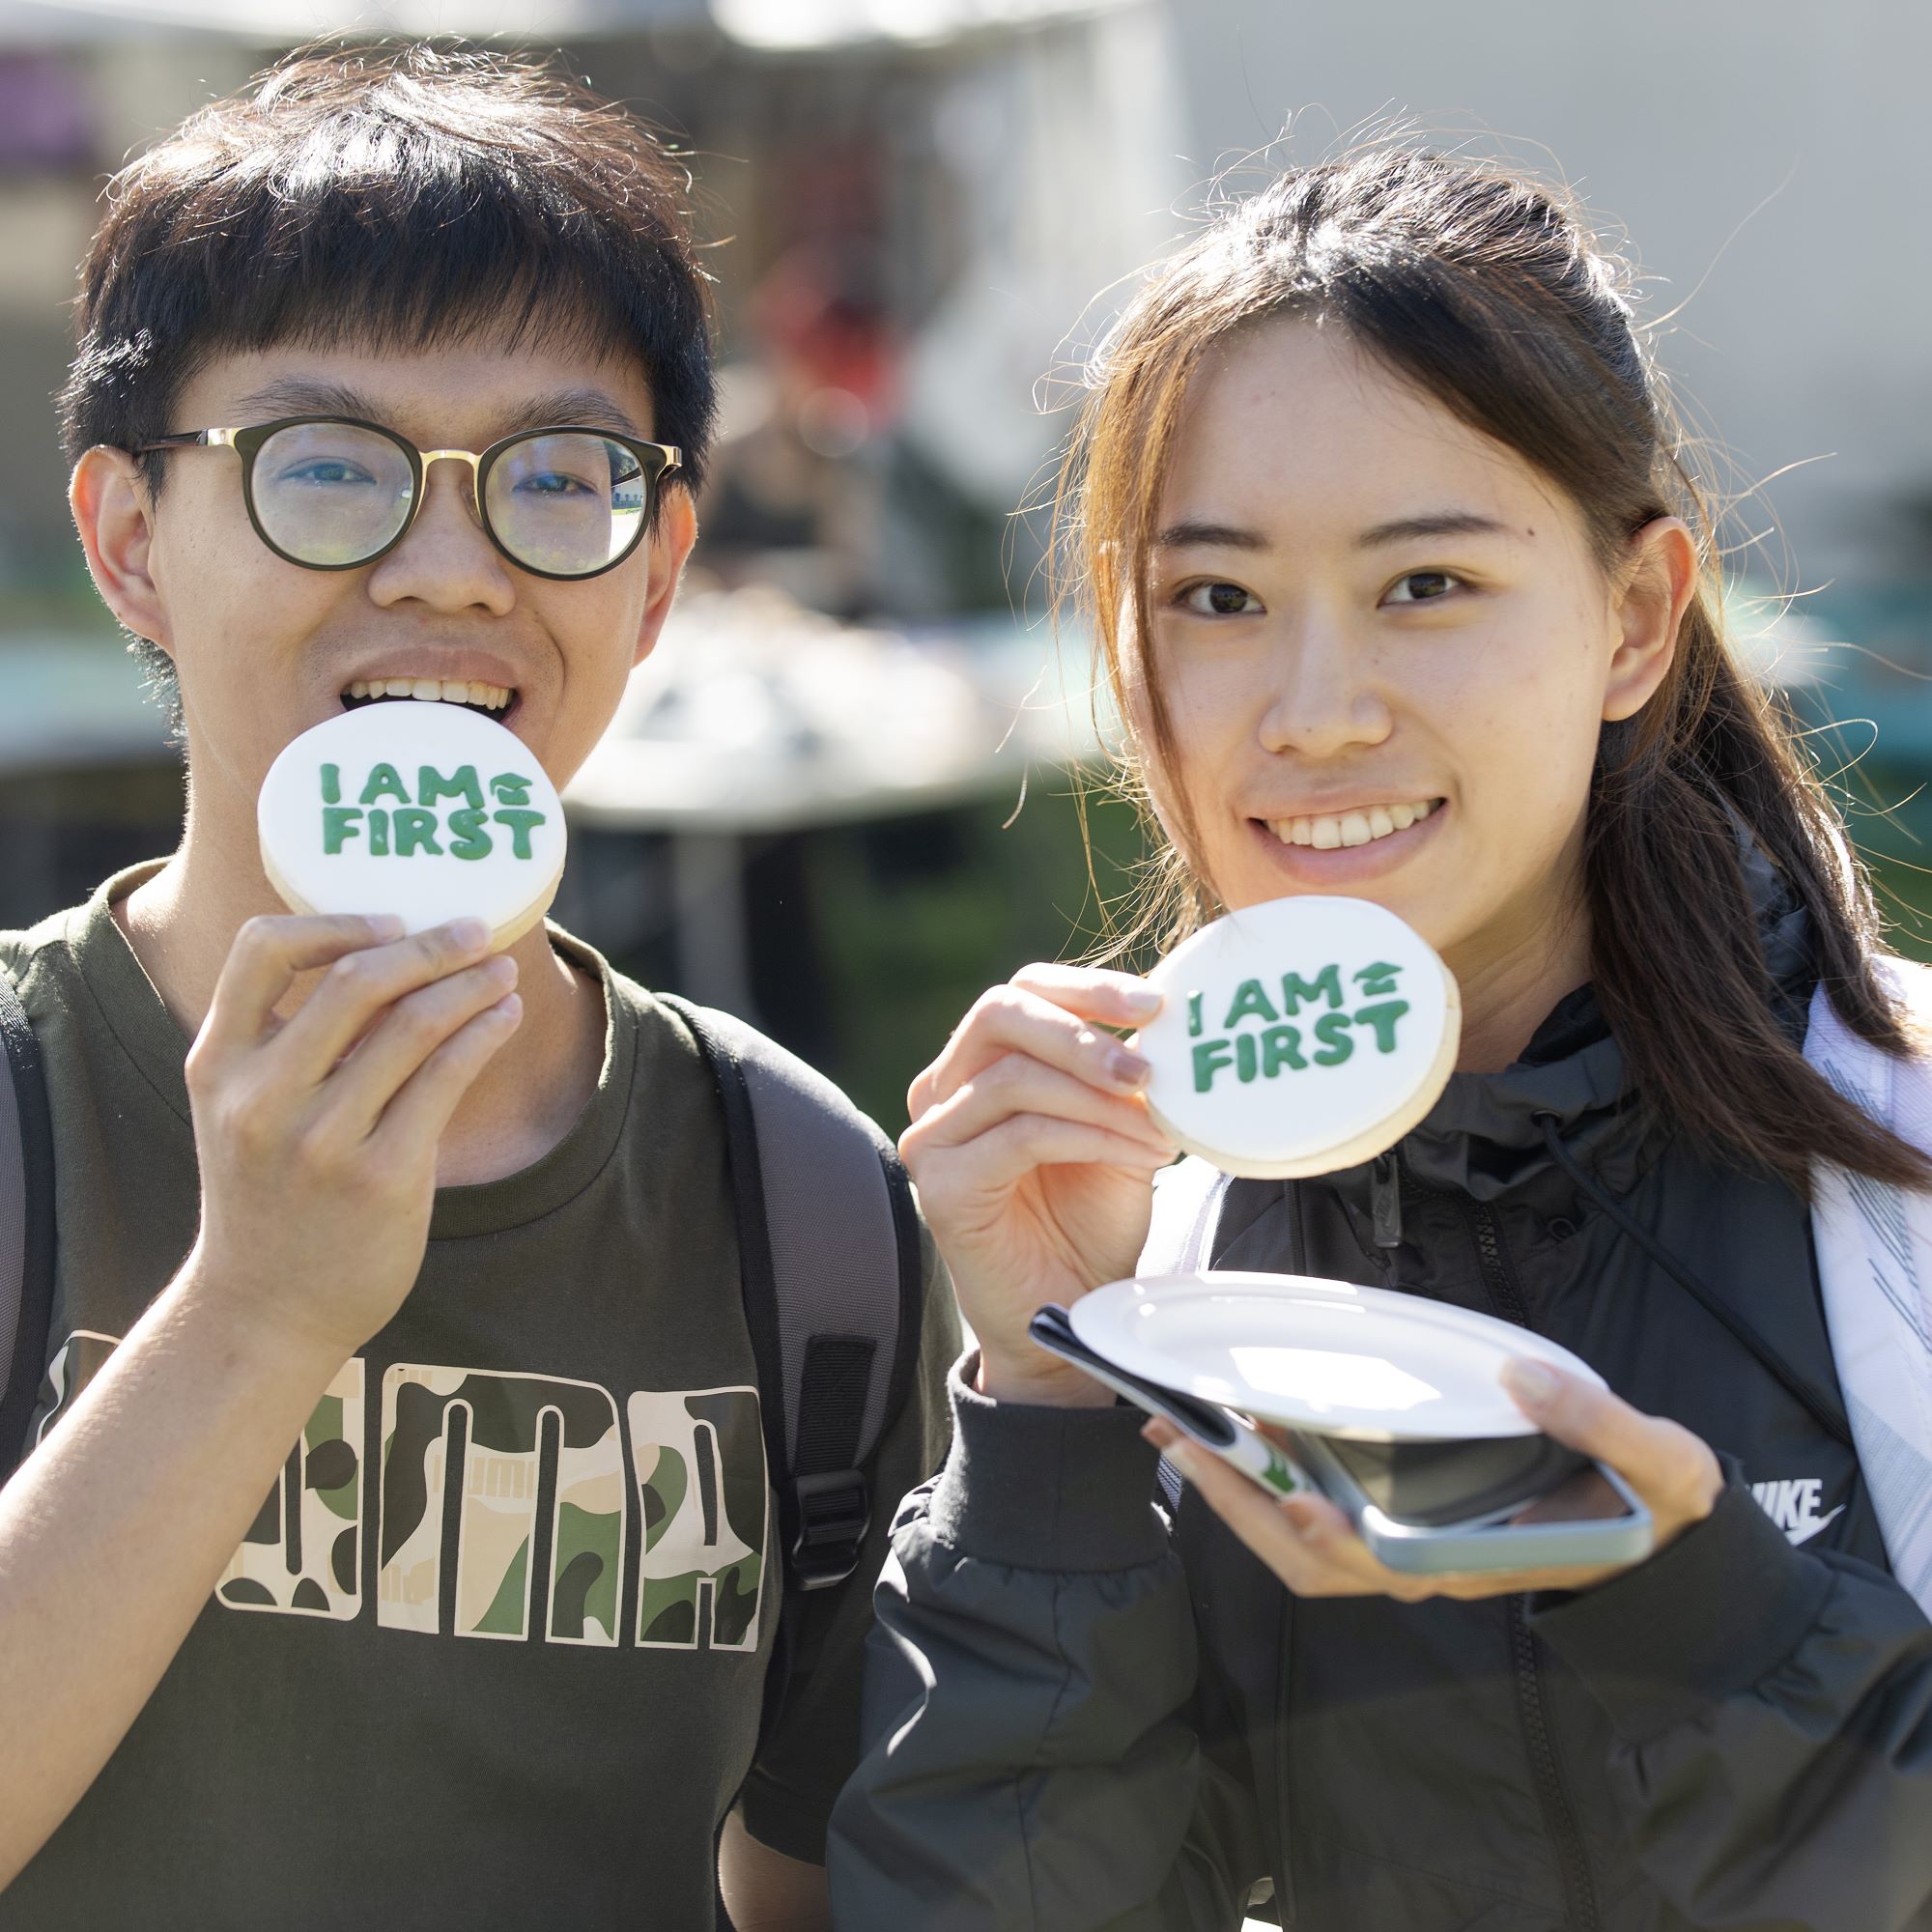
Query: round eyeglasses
333, 493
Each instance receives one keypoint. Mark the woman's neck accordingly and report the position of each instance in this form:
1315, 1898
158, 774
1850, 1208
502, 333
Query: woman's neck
1510, 983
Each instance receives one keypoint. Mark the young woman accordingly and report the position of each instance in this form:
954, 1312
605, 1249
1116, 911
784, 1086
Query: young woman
1405, 593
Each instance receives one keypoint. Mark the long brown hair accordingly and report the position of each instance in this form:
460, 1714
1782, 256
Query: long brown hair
1486, 290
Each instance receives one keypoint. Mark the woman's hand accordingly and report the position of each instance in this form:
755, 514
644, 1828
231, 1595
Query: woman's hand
1034, 1157
1311, 1547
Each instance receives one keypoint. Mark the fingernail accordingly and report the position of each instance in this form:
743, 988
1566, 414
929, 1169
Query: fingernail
385, 924
467, 934
1160, 1434
1140, 1002
1184, 1456
510, 1005
1530, 1382
1297, 1516
1128, 1068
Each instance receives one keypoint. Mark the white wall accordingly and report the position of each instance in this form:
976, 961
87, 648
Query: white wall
1807, 336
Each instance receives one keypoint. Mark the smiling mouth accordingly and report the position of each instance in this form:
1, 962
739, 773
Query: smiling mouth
492, 700
1326, 833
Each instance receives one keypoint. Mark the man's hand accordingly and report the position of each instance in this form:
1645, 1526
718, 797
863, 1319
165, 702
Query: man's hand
317, 1136
1313, 1548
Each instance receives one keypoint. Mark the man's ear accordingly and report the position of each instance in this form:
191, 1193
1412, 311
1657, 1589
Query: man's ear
1659, 582
669, 544
115, 517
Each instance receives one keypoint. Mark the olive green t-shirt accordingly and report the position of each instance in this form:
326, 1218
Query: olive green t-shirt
493, 1652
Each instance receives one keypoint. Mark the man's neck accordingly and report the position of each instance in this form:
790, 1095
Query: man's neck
183, 921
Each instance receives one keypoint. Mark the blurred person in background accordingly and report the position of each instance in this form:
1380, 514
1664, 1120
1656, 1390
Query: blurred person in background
302, 1160
1407, 592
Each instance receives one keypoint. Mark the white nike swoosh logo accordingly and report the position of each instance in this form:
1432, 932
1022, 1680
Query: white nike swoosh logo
1807, 1531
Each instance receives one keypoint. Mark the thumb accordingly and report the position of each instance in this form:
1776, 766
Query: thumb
1662, 1461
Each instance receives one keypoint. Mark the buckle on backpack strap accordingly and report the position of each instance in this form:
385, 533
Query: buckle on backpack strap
835, 1511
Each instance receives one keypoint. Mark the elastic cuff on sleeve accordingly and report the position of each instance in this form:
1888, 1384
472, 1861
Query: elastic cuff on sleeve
1046, 1488
1710, 1616
786, 1823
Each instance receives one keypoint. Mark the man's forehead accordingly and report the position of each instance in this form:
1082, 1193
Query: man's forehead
439, 395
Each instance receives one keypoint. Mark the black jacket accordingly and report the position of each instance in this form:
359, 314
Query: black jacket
1086, 1711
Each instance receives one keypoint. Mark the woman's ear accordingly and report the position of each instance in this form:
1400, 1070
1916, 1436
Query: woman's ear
114, 515
1658, 580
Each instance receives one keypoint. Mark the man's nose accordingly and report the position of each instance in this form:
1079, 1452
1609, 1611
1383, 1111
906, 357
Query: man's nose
446, 561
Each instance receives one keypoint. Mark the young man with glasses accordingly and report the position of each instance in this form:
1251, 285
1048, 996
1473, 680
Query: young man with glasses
393, 385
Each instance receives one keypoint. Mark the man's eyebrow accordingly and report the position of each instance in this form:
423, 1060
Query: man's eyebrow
1443, 524
307, 395
304, 396
1195, 533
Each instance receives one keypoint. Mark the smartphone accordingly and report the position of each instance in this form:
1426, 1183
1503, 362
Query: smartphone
1514, 1502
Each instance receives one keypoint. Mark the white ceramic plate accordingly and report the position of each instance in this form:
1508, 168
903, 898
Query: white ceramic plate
1324, 1355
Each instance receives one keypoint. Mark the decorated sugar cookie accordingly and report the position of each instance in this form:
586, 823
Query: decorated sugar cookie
427, 810
1299, 1037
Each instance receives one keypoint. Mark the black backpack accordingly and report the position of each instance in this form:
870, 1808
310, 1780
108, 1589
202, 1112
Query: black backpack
829, 1249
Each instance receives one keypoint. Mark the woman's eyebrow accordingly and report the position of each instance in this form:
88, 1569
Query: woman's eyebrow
1442, 523
1198, 535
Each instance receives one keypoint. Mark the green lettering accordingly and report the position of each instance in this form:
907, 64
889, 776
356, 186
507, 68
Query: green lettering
1377, 980
379, 834
431, 785
511, 788
1332, 1031
1281, 1046
338, 822
471, 842
1246, 1060
415, 832
1294, 989
1210, 1057
1194, 1015
331, 784
384, 778
1382, 1019
1249, 1003
521, 824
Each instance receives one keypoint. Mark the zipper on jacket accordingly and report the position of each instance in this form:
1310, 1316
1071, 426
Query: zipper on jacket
1559, 1821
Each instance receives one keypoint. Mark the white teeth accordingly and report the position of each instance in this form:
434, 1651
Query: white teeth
443, 690
1352, 828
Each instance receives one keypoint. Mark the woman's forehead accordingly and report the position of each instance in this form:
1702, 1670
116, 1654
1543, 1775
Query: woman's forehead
1292, 428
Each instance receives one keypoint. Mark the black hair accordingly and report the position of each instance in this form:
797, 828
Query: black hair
402, 195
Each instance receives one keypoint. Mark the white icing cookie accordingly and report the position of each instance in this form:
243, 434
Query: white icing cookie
1299, 1037
422, 809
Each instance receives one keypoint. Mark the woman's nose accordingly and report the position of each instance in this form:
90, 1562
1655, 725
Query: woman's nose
1321, 698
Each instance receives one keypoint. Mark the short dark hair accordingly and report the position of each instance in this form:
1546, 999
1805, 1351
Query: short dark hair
400, 195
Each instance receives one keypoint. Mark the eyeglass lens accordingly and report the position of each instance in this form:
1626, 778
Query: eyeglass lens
332, 494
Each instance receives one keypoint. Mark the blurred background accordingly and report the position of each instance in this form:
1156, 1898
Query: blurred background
839, 796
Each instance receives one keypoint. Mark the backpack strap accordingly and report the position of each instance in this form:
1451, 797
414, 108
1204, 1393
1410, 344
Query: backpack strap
26, 1223
829, 1251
